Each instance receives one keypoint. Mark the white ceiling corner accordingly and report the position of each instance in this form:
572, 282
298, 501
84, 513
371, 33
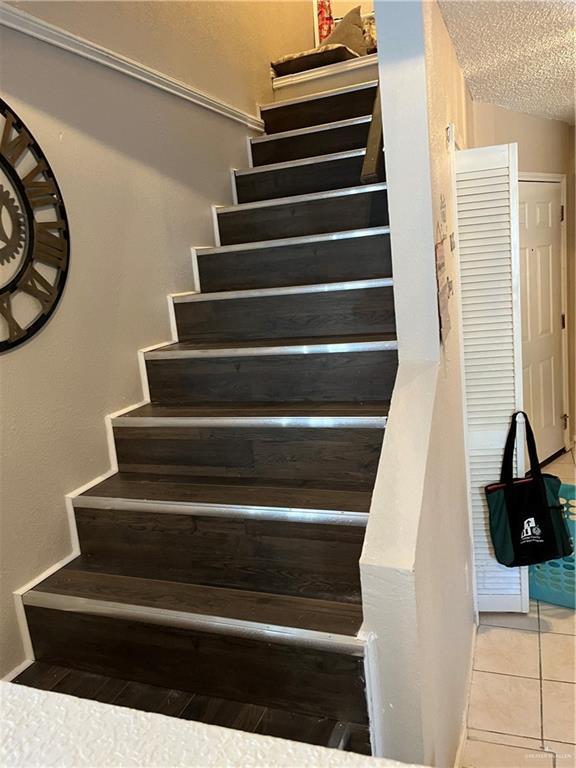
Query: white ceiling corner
519, 54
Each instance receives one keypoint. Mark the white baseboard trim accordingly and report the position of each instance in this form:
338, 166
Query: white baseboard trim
68, 499
373, 692
19, 593
464, 725
328, 71
9, 676
27, 24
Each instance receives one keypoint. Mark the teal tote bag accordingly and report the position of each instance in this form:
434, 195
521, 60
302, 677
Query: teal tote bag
526, 521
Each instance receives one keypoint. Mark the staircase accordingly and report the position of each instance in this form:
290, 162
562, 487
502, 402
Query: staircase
218, 578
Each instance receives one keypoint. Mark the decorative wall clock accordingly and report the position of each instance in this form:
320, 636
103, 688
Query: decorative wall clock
34, 238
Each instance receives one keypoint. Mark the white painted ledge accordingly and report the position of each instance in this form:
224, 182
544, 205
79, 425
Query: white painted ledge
387, 563
41, 729
330, 70
23, 22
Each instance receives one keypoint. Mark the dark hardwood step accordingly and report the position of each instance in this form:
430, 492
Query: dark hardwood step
244, 497
359, 740
264, 609
149, 634
339, 370
347, 454
300, 177
42, 676
189, 706
339, 136
333, 257
353, 308
292, 556
287, 540
340, 104
333, 211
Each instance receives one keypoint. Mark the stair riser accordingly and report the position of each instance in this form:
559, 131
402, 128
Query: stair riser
332, 377
292, 558
312, 681
309, 217
310, 144
299, 179
346, 456
307, 264
333, 313
319, 111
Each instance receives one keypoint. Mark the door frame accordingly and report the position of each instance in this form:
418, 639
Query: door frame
560, 178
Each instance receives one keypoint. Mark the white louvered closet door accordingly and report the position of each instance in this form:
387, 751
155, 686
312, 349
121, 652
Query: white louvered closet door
488, 244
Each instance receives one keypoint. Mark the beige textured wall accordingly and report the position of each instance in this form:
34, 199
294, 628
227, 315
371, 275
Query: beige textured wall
341, 7
444, 566
138, 170
222, 47
544, 146
571, 204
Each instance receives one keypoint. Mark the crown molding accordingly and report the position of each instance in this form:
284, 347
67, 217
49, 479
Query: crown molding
23, 22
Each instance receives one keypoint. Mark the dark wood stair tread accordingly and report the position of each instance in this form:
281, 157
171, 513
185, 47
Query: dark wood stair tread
183, 346
172, 488
259, 607
264, 410
185, 705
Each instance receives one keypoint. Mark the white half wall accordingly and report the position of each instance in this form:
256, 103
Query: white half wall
416, 565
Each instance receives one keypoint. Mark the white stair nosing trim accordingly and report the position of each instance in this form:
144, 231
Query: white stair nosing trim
288, 290
197, 621
309, 197
23, 22
346, 234
239, 511
350, 121
287, 164
300, 349
341, 67
299, 422
319, 95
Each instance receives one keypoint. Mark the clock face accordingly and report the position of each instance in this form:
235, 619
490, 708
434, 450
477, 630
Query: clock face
34, 239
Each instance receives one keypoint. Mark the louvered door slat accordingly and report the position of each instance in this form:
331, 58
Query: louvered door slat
486, 191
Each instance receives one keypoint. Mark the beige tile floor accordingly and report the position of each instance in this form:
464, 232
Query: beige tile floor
522, 709
564, 467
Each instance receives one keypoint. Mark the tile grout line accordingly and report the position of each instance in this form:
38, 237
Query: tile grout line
507, 674
469, 697
503, 733
522, 629
540, 666
513, 629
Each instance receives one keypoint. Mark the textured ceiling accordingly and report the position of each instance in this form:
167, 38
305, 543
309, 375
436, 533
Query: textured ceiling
520, 55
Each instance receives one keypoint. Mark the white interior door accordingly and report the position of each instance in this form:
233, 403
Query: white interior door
540, 270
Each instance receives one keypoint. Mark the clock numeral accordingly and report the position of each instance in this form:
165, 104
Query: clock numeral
41, 192
49, 248
36, 285
13, 148
14, 330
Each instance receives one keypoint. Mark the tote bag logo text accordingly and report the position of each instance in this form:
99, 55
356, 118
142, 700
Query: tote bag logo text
530, 531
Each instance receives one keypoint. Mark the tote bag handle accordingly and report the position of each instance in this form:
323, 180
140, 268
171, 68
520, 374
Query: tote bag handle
506, 475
